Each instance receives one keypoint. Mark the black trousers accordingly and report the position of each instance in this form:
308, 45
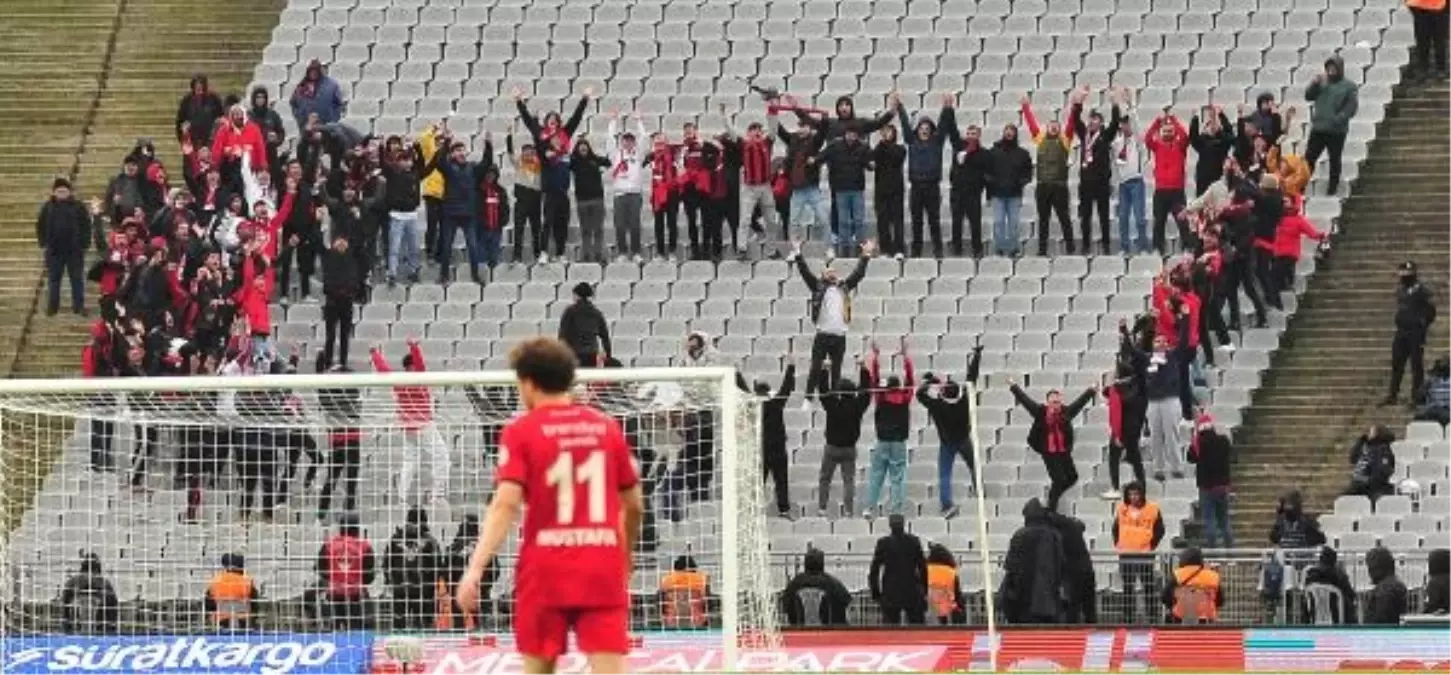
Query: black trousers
343, 464
1052, 199
1282, 272
337, 316
667, 228
1265, 277
1211, 321
1408, 347
783, 214
347, 613
824, 346
925, 201
556, 220
1333, 144
433, 217
103, 435
143, 447
1062, 474
694, 204
730, 214
257, 465
773, 456
890, 226
892, 616
527, 205
712, 219
72, 267
1238, 273
1165, 204
1091, 199
1431, 32
967, 205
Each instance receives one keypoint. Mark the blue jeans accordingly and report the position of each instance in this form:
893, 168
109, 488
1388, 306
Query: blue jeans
947, 455
403, 245
1005, 224
489, 243
1131, 205
851, 216
452, 227
808, 201
889, 462
1214, 504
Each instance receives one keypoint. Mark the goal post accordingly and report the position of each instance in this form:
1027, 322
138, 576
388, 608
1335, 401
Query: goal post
156, 479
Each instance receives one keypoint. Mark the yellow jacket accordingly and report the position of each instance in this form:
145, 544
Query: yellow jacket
1292, 170
432, 184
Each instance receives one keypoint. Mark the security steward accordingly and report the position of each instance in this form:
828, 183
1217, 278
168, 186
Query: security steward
1193, 595
1415, 312
683, 593
1137, 529
231, 595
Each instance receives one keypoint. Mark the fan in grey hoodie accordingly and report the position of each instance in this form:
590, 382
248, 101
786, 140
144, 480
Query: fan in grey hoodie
1334, 101
924, 170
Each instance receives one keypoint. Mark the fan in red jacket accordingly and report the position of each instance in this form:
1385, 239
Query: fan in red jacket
1167, 286
1168, 143
420, 434
237, 135
1286, 248
254, 292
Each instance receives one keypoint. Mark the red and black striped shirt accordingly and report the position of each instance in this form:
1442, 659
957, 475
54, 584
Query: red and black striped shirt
756, 161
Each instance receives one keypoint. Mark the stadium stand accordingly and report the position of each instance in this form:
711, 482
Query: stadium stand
1050, 320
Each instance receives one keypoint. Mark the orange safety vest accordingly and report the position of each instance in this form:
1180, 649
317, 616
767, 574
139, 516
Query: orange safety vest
941, 595
1427, 5
1198, 586
1136, 527
232, 594
683, 599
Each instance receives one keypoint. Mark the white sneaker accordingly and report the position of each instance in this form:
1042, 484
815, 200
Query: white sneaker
831, 253
638, 259
821, 513
543, 258
620, 259
1227, 347
897, 257
806, 404
868, 515
670, 258
1112, 495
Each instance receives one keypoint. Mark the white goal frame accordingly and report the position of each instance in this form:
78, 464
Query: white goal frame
724, 377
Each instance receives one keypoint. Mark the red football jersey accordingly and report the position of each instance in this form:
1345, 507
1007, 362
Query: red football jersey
572, 461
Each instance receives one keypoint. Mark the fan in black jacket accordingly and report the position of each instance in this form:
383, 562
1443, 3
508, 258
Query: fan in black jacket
415, 564
402, 195
948, 406
773, 431
341, 288
1012, 171
844, 403
898, 575
889, 181
1213, 141
1051, 436
813, 587
1095, 173
584, 328
972, 165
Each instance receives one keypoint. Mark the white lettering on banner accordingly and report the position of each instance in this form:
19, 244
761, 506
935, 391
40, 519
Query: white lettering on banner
884, 659
577, 536
198, 653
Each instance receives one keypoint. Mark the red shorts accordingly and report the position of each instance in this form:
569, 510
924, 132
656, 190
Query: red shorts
543, 632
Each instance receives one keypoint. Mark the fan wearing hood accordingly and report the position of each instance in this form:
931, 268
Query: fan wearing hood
1328, 571
1051, 435
1294, 529
924, 169
947, 404
1415, 312
1373, 464
1009, 173
1438, 582
89, 601
198, 112
888, 166
1054, 143
773, 430
267, 119
1334, 101
236, 136
317, 94
1034, 570
814, 588
1386, 603
414, 565
844, 404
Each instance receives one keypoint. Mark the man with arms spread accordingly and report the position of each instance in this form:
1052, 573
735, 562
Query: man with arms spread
572, 467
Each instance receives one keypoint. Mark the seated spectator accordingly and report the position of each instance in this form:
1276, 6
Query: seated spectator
944, 587
814, 588
1193, 594
1374, 464
1437, 394
1033, 570
1386, 603
1294, 529
231, 595
1328, 571
683, 595
1438, 578
89, 601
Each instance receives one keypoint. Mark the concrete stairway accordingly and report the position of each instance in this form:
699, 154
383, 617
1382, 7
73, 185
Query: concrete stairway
112, 72
1332, 369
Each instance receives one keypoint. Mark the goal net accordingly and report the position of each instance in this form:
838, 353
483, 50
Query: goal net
159, 486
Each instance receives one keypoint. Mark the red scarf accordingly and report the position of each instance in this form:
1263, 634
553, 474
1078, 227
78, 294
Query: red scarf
662, 179
491, 206
1055, 436
1115, 414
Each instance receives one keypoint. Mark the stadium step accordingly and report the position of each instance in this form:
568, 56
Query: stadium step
128, 62
1332, 369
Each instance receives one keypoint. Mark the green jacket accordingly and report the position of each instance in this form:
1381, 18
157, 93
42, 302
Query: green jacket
1333, 102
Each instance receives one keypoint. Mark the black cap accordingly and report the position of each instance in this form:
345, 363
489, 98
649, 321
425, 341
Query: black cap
1408, 267
60, 182
584, 290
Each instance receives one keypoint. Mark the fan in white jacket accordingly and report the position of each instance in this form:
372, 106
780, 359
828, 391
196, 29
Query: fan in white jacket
627, 179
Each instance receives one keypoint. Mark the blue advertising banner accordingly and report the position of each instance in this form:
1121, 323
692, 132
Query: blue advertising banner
254, 654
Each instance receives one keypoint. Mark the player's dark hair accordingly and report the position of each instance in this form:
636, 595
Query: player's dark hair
546, 362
